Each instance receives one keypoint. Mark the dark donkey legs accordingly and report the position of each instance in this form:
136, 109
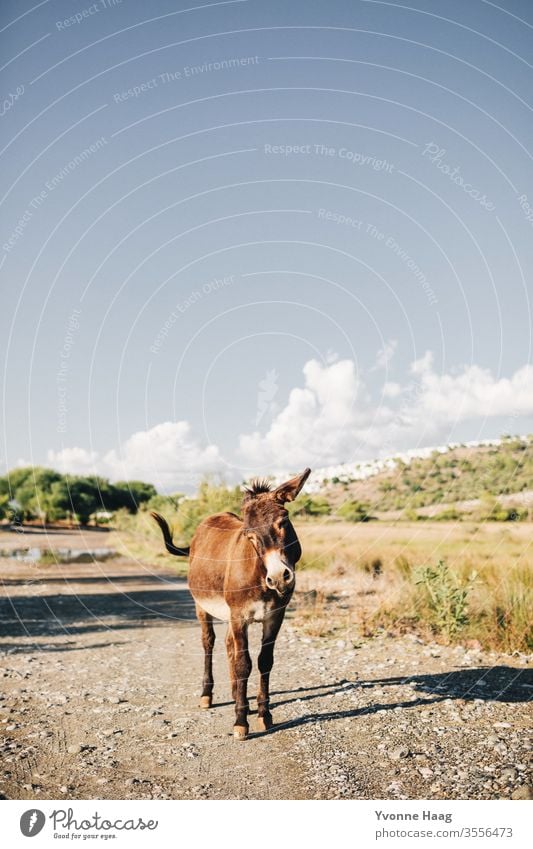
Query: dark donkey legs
271, 627
230, 649
208, 642
240, 668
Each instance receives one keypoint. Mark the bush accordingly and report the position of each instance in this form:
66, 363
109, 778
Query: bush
492, 511
185, 514
355, 511
446, 597
308, 506
449, 515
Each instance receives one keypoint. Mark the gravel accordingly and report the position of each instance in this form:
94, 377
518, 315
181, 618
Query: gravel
118, 693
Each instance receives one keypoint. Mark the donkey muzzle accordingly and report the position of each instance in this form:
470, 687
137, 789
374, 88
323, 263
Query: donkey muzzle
280, 576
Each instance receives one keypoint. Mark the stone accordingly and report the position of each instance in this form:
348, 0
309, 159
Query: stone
425, 772
508, 774
399, 753
524, 792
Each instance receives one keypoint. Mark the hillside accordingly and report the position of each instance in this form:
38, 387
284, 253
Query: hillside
458, 474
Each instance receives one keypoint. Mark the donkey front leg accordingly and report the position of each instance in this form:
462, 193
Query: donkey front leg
230, 649
208, 642
242, 665
271, 626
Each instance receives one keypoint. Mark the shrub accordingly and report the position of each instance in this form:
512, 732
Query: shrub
446, 597
492, 511
308, 506
185, 514
449, 515
355, 511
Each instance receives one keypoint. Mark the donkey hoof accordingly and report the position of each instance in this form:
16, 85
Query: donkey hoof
206, 702
240, 732
264, 723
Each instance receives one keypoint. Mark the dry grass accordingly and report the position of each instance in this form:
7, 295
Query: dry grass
356, 579
359, 579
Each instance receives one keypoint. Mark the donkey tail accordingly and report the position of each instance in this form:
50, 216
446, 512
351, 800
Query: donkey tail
181, 551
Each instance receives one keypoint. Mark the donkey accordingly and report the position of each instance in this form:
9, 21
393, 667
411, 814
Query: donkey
242, 570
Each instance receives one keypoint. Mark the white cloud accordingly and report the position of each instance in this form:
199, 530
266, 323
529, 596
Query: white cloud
472, 393
77, 461
391, 389
166, 455
316, 425
331, 418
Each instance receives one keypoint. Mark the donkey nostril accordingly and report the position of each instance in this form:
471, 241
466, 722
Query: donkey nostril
270, 582
287, 575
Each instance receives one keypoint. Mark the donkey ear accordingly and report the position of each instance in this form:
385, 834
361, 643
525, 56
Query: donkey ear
289, 490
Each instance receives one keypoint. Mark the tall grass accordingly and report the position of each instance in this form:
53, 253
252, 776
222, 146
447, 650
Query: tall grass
365, 577
479, 590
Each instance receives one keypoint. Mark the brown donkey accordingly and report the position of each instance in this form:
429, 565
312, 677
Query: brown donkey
242, 571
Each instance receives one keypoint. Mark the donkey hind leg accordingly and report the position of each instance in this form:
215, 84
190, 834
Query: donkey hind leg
243, 666
271, 626
208, 642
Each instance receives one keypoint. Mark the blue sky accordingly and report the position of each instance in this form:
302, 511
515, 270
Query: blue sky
245, 237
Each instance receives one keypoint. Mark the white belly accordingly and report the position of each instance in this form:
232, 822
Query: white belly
216, 606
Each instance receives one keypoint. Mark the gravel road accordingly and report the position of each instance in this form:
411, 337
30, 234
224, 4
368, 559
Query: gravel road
101, 666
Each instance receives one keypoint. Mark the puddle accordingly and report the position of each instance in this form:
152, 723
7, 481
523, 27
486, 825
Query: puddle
58, 555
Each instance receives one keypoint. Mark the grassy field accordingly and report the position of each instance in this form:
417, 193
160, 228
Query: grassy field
450, 557
453, 582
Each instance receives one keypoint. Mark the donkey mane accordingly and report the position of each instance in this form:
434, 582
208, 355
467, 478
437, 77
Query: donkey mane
258, 486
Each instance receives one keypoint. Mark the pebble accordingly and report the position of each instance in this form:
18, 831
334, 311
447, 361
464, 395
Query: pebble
508, 774
425, 772
400, 752
472, 755
523, 792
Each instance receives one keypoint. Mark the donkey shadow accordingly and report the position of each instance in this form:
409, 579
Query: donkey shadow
490, 684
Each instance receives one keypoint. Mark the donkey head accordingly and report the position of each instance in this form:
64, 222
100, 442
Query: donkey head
267, 526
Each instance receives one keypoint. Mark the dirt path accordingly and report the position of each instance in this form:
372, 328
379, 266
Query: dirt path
101, 664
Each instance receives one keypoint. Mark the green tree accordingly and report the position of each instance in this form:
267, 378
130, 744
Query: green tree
84, 497
30, 488
130, 494
4, 505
